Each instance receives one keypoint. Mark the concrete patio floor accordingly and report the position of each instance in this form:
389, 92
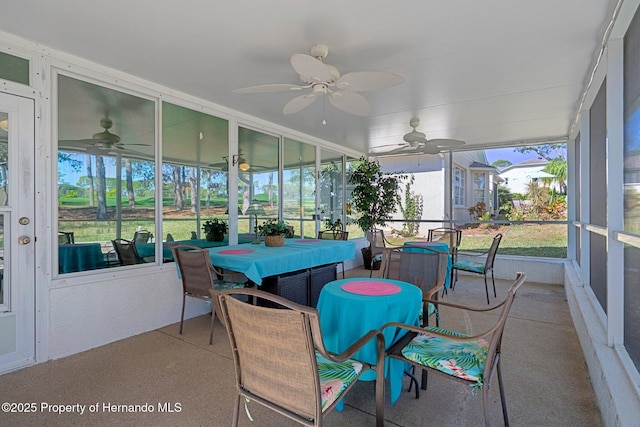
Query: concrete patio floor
545, 375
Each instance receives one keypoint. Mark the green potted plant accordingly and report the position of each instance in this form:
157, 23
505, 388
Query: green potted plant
215, 229
374, 197
333, 227
274, 231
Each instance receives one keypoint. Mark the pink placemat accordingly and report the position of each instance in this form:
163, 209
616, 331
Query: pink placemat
236, 251
307, 240
371, 287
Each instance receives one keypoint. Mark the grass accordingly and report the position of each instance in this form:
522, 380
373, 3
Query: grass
538, 240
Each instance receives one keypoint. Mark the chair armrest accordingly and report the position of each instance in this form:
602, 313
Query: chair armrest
466, 254
421, 330
464, 307
349, 352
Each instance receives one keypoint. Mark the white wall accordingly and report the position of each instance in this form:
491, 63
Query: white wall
115, 306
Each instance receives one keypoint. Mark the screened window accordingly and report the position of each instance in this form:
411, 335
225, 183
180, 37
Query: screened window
632, 188
331, 185
258, 179
479, 187
298, 192
194, 176
14, 69
106, 174
458, 186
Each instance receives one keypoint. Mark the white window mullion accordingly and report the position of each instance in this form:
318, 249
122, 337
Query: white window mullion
615, 191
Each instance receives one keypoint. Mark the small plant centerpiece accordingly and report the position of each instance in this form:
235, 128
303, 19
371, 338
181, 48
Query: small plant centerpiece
215, 229
274, 231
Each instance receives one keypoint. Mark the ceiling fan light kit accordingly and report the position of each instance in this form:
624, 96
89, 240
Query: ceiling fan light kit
325, 80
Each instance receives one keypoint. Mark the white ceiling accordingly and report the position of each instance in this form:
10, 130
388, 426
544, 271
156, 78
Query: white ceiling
485, 72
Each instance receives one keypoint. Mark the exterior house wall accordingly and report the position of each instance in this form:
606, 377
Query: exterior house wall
517, 177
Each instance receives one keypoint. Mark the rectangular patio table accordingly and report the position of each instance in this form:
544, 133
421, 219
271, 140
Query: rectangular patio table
260, 261
147, 250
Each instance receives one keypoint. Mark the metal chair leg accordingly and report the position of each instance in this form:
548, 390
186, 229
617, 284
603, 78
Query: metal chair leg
182, 316
494, 284
503, 399
213, 318
486, 287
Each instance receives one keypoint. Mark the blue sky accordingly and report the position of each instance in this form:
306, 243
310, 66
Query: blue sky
508, 154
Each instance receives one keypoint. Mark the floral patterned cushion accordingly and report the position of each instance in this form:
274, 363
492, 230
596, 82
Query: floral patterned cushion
468, 265
335, 378
462, 359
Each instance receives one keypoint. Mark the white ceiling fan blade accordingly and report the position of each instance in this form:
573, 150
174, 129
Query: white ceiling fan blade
298, 103
350, 102
429, 148
277, 87
363, 81
446, 143
311, 68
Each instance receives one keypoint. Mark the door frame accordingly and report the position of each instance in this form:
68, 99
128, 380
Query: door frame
20, 269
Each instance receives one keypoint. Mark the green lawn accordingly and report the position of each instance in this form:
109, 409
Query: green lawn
542, 240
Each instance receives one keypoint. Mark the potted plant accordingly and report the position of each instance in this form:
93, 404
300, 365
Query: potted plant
334, 228
215, 229
274, 231
374, 197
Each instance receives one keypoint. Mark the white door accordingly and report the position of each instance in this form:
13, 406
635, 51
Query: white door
17, 266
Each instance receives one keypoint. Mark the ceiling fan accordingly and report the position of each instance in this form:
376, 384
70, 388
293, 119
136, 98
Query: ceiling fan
415, 142
320, 79
101, 142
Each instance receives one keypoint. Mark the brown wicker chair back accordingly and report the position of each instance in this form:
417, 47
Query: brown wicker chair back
334, 235
126, 252
274, 351
424, 268
198, 277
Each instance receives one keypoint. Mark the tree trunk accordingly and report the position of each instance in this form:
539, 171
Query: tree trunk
101, 188
92, 196
178, 191
129, 179
195, 193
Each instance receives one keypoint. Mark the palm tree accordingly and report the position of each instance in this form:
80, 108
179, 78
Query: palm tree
558, 168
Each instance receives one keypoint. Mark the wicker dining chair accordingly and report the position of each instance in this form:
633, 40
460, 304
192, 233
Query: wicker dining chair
425, 268
421, 266
142, 236
334, 235
479, 267
281, 362
377, 242
199, 276
469, 359
126, 252
452, 237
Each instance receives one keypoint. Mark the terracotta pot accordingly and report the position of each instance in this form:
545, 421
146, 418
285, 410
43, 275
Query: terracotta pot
274, 240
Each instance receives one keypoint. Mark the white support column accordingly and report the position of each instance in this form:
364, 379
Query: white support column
615, 191
585, 197
232, 180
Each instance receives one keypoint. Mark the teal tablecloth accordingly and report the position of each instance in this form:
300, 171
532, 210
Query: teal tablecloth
80, 257
345, 317
146, 250
436, 246
296, 254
